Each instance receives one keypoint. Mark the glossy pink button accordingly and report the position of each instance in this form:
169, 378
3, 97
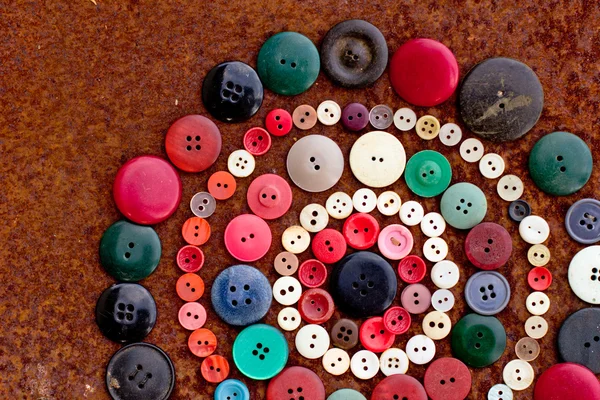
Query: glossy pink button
257, 141
192, 316
147, 190
312, 273
395, 241
247, 237
416, 298
269, 196
190, 258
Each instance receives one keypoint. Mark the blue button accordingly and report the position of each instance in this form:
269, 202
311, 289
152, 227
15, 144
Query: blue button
583, 221
232, 389
487, 292
241, 295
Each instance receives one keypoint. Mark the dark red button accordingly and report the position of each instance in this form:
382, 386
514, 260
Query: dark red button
247, 237
399, 387
374, 337
329, 246
539, 278
278, 122
296, 383
312, 273
316, 306
257, 141
412, 269
361, 231
193, 143
567, 381
147, 190
447, 379
190, 258
269, 196
396, 320
488, 246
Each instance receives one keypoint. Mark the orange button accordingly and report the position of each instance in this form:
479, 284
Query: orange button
202, 342
196, 231
221, 185
215, 369
190, 287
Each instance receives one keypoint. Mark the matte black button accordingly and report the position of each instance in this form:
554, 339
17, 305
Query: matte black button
579, 338
518, 210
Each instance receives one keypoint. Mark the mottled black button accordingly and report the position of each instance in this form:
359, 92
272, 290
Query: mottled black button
579, 338
232, 92
501, 99
518, 210
126, 312
344, 334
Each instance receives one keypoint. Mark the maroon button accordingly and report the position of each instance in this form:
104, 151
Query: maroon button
416, 298
488, 246
312, 273
278, 122
247, 237
567, 381
396, 320
355, 117
190, 258
257, 141
316, 306
147, 190
193, 143
296, 383
539, 278
399, 387
361, 231
447, 379
374, 336
269, 196
329, 246
412, 269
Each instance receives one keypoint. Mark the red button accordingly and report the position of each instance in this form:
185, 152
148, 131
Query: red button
399, 387
329, 246
295, 383
193, 143
539, 278
412, 269
396, 320
567, 381
424, 72
192, 316
488, 246
257, 141
190, 258
316, 306
195, 231
147, 190
374, 336
202, 342
447, 379
247, 237
221, 185
312, 273
360, 231
214, 369
269, 196
189, 287
278, 122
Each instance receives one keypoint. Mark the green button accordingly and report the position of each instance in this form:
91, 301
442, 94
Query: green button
428, 173
560, 163
288, 63
478, 340
346, 394
129, 252
463, 205
260, 351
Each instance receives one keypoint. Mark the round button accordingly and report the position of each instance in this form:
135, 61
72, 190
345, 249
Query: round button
221, 185
433, 224
399, 386
518, 210
447, 379
488, 246
304, 117
411, 213
510, 187
393, 361
192, 316
241, 163
329, 246
463, 205
518, 374
420, 349
396, 320
339, 205
295, 239
539, 278
435, 249
388, 203
364, 364
374, 337
214, 368
314, 218
296, 383
315, 163
500, 392
260, 351
189, 287
442, 300
428, 173
361, 231
478, 341
289, 319
247, 237
487, 292
203, 204
582, 221
536, 327
405, 119
312, 341
579, 338
395, 241
567, 381
190, 259
278, 122
537, 303
286, 263
416, 298
584, 275
336, 361
147, 190
316, 306
450, 134
436, 325
381, 116
377, 159
193, 143
364, 200
491, 166
241, 295
232, 389
428, 127
195, 231
287, 290
534, 229
329, 112
527, 349
355, 117
344, 334
269, 196
412, 269
346, 394
471, 150
202, 342
257, 141
445, 274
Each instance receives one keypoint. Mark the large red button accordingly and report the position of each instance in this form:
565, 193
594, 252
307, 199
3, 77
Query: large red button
269, 196
488, 246
190, 258
193, 143
247, 237
447, 379
567, 381
312, 273
295, 383
316, 306
396, 320
257, 141
360, 231
399, 387
147, 190
329, 246
278, 122
424, 72
412, 269
374, 336
539, 278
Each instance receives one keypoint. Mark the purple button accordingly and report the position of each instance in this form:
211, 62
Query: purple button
416, 298
355, 117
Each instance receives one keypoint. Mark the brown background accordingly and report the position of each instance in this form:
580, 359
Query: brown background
85, 88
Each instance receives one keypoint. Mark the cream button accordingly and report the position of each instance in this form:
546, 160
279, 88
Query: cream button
411, 213
436, 325
537, 303
405, 119
442, 300
510, 188
364, 200
433, 224
491, 166
445, 274
420, 349
295, 239
312, 341
450, 134
471, 150
314, 218
435, 249
364, 364
536, 327
388, 203
534, 229
241, 163
289, 319
538, 255
339, 205
329, 112
518, 375
377, 159
393, 361
584, 274
500, 392
428, 127
336, 361
287, 290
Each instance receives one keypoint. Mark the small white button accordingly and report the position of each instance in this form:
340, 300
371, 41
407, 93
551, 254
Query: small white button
536, 327
471, 150
442, 300
289, 319
491, 166
405, 119
584, 274
534, 229
420, 349
435, 249
393, 361
295, 239
450, 134
287, 290
411, 213
241, 163
364, 364
339, 205
364, 200
428, 127
436, 325
510, 188
445, 274
433, 224
518, 375
314, 218
336, 361
312, 341
537, 303
388, 203
500, 392
329, 112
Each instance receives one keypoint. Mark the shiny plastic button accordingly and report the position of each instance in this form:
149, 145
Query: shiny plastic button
537, 303
579, 338
314, 218
487, 292
316, 306
312, 273
364, 200
374, 337
232, 389
518, 374
491, 166
405, 119
269, 196
416, 298
364, 364
312, 341
539, 278
190, 259
582, 221
435, 249
257, 141
214, 368
471, 150
488, 246
534, 229
336, 361
381, 117
377, 159
393, 361
428, 173
203, 204
296, 383
433, 224
192, 316
329, 246
447, 379
247, 237
286, 263
346, 394
436, 325
278, 122
463, 205
518, 210
304, 117
202, 342
442, 300
221, 185
399, 386
411, 213
450, 134
536, 327
567, 381
329, 112
295, 239
287, 290
289, 319
478, 341
241, 163
445, 274
500, 392
339, 205
584, 275
195, 231
510, 188
315, 163
396, 320
388, 203
189, 287
412, 269
193, 143
395, 241
420, 349
355, 117
428, 127
527, 349
344, 334
361, 231
260, 351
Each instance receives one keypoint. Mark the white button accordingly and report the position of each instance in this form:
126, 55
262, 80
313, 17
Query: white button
339, 205
420, 349
534, 229
538, 255
442, 300
287, 290
518, 375
500, 392
393, 361
428, 127
411, 213
289, 319
433, 224
241, 163
450, 134
405, 119
295, 239
584, 274
445, 274
471, 150
364, 200
329, 112
336, 361
435, 249
436, 325
536, 327
537, 303
364, 364
377, 159
314, 218
491, 166
388, 203
312, 341
510, 188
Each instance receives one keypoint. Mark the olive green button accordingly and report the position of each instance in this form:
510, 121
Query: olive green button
288, 63
428, 173
463, 205
260, 351
478, 340
560, 163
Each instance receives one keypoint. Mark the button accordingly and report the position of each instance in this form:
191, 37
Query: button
189, 287
314, 218
420, 349
411, 213
260, 351
584, 277
247, 237
433, 224
192, 316
140, 371
399, 386
203, 205
450, 134
519, 209
214, 368
195, 231
518, 374
416, 298
147, 190
424, 72
278, 122
377, 159
463, 205
304, 117
393, 361
126, 312
269, 196
374, 337
537, 303
346, 394
221, 185
536, 327
296, 383
257, 141
381, 117
286, 263
539, 278
364, 200
428, 173
582, 221
436, 325
329, 246
510, 187
364, 364
487, 292
289, 319
336, 361
428, 127
232, 389
579, 338
344, 334
354, 54
435, 249
405, 119
567, 381
355, 117
488, 246
295, 239
315, 163
129, 252
339, 205
447, 379
241, 295
396, 320
527, 349
287, 290
442, 300
471, 150
412, 269
445, 274
241, 163
395, 241
388, 203
500, 392
312, 341
534, 229
491, 166
316, 306
329, 112
190, 258
202, 342
193, 143
363, 284
500, 99
478, 341
361, 231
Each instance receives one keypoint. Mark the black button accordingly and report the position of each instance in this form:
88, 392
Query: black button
354, 53
363, 284
232, 92
140, 371
126, 312
579, 338
518, 210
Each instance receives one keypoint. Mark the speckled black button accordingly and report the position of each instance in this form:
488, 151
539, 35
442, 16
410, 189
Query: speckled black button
583, 221
518, 210
579, 338
501, 99
487, 292
344, 334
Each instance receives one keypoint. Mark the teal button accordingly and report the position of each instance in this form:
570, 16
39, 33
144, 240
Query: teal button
232, 389
260, 351
463, 205
428, 173
346, 394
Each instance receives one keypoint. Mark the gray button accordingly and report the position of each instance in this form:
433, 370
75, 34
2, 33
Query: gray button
518, 210
203, 204
487, 292
583, 221
381, 116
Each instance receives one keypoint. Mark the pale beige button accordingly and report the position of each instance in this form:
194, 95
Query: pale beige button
433, 224
364, 364
510, 188
364, 200
393, 361
312, 341
388, 203
428, 127
287, 290
377, 159
304, 117
518, 375
491, 166
339, 205
329, 112
295, 239
336, 361
241, 163
435, 249
537, 303
436, 325
405, 119
286, 263
289, 319
450, 134
527, 349
536, 327
538, 255
471, 150
314, 218
411, 213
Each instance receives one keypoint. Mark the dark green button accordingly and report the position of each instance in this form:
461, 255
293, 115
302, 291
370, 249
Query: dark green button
463, 205
428, 173
260, 351
478, 341
560, 163
129, 252
288, 63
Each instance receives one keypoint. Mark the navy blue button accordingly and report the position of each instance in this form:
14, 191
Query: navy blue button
241, 295
579, 338
583, 221
232, 389
363, 284
126, 312
487, 292
518, 210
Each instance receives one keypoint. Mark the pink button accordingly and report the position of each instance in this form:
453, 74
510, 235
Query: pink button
247, 237
269, 196
416, 298
395, 241
192, 316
